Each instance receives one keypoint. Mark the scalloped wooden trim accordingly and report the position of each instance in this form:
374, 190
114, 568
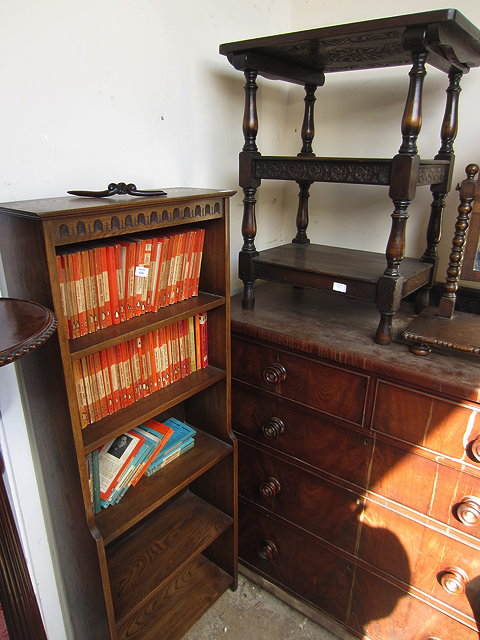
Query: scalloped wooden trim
91, 226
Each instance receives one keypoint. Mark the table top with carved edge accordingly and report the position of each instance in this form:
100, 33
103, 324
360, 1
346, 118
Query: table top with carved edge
24, 326
450, 39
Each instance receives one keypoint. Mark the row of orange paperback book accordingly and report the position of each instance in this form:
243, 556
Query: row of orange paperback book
114, 378
105, 283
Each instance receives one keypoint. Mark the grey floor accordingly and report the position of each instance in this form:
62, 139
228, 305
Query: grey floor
251, 613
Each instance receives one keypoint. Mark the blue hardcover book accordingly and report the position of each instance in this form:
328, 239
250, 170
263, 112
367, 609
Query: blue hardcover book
184, 446
181, 432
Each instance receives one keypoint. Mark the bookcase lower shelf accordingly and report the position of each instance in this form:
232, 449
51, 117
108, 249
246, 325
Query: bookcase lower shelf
150, 557
179, 604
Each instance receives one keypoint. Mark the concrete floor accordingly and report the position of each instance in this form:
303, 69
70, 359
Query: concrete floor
251, 613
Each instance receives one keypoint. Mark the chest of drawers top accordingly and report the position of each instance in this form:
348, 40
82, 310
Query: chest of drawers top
331, 329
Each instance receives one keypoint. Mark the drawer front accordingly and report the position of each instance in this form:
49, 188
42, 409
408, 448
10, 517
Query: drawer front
426, 420
304, 435
438, 565
294, 562
323, 508
428, 486
381, 610
335, 391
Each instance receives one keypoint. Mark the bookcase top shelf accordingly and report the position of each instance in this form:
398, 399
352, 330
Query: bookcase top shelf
450, 40
73, 205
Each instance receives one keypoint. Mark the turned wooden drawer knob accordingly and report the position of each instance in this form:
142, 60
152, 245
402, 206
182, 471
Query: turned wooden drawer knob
275, 373
267, 550
270, 488
273, 428
453, 580
475, 448
468, 511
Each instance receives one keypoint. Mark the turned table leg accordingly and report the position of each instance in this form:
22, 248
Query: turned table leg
308, 133
249, 185
441, 190
405, 168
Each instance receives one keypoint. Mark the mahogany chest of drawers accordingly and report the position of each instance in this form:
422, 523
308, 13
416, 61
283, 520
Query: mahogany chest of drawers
359, 468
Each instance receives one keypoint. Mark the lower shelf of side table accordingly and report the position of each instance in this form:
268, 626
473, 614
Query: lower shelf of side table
350, 272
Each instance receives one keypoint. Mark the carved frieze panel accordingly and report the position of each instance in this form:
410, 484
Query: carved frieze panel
322, 170
431, 174
101, 225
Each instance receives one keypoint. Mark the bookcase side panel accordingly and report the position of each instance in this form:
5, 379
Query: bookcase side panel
47, 417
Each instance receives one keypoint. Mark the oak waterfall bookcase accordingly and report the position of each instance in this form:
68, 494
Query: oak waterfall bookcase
149, 566
444, 39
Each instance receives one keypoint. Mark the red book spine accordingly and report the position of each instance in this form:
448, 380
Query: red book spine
93, 387
164, 357
137, 277
106, 286
164, 271
72, 294
121, 374
81, 394
100, 283
87, 291
80, 293
120, 265
187, 259
175, 352
128, 373
156, 354
192, 263
151, 275
93, 289
160, 244
102, 392
177, 277
202, 340
88, 390
182, 344
144, 365
107, 381
192, 360
114, 378
131, 252
146, 258
112, 283
198, 262
135, 368
63, 295
173, 245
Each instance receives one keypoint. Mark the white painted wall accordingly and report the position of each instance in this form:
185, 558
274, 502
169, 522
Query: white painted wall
135, 90
125, 90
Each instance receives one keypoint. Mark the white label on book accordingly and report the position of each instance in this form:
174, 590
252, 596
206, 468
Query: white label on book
141, 271
339, 286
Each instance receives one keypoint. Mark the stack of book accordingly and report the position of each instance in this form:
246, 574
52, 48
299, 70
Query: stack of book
123, 461
114, 378
107, 283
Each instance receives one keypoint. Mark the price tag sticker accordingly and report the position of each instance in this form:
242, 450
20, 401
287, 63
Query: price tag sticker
141, 271
340, 287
